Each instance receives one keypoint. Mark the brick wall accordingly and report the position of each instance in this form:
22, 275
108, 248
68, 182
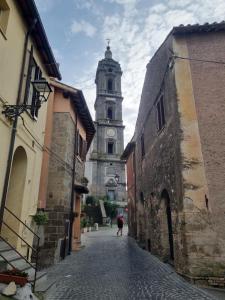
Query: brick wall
209, 94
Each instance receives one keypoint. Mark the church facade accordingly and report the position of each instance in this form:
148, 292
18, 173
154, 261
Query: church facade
105, 169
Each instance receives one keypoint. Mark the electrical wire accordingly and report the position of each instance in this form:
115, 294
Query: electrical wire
200, 60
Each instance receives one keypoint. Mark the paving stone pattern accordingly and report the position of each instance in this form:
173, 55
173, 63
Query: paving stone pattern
111, 267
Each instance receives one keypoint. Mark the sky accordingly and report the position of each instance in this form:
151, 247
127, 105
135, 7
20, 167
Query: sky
77, 31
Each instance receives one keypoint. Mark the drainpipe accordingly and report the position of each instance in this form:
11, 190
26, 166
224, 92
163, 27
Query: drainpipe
14, 127
72, 192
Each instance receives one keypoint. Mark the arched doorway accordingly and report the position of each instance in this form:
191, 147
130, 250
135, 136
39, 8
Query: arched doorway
15, 194
166, 226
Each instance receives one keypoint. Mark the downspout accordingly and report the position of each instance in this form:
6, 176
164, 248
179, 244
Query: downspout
72, 192
14, 127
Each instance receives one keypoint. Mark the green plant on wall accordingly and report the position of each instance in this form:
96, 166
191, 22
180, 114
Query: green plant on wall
41, 218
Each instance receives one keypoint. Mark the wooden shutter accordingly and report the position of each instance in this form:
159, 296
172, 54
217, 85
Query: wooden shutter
28, 75
84, 150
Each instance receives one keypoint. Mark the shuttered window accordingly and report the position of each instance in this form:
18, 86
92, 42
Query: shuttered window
34, 73
81, 147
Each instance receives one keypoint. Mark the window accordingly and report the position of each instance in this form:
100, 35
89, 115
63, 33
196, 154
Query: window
4, 16
142, 145
111, 195
34, 73
160, 113
110, 85
142, 197
110, 147
81, 147
110, 113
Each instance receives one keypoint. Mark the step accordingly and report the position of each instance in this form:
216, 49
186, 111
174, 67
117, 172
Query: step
19, 264
39, 276
44, 283
10, 255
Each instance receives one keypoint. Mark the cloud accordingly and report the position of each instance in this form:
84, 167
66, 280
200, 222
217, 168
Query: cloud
136, 31
83, 26
46, 5
57, 54
91, 6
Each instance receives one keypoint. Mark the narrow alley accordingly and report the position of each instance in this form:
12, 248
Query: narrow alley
111, 267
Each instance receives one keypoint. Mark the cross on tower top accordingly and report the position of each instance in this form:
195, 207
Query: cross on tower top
108, 41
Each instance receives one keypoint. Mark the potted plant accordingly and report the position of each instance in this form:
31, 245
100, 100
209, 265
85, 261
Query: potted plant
41, 218
19, 277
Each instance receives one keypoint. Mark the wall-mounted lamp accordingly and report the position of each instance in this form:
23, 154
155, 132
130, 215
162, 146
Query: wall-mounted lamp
42, 89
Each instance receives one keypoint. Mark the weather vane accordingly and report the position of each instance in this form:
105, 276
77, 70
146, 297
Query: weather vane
108, 41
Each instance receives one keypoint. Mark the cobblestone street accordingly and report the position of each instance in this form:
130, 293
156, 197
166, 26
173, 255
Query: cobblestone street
111, 267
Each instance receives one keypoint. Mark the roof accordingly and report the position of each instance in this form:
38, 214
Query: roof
196, 28
30, 13
81, 106
127, 151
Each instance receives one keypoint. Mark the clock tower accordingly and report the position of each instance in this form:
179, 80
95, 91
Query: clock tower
106, 169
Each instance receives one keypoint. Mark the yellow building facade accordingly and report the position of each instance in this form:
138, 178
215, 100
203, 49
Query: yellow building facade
21, 62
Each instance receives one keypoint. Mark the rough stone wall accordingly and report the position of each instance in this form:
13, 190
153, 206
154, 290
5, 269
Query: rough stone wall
184, 158
160, 168
59, 186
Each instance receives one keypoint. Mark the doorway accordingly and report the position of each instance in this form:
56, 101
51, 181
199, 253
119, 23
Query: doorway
14, 201
167, 226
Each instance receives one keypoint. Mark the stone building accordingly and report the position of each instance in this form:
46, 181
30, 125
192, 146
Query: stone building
105, 169
68, 135
179, 153
25, 59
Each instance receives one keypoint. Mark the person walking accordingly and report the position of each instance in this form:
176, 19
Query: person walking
120, 222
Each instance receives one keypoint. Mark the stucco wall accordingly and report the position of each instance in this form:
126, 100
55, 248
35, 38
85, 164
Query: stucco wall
11, 49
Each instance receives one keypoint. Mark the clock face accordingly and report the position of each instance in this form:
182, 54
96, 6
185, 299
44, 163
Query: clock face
111, 132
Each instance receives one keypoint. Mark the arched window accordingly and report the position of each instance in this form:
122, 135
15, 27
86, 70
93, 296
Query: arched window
110, 113
110, 85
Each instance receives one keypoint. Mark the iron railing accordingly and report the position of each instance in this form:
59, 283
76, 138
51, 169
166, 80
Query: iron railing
35, 251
